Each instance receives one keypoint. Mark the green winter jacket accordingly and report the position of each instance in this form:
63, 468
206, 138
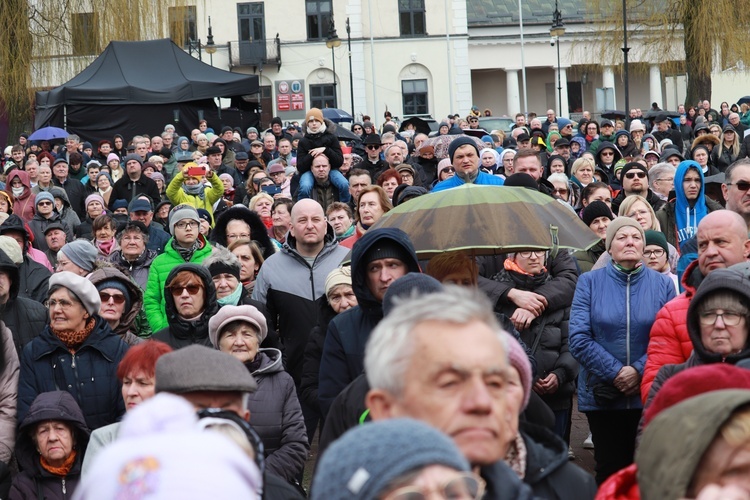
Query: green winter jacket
153, 299
178, 196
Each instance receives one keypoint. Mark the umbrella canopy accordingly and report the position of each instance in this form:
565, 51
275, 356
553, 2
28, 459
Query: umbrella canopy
475, 132
744, 100
337, 115
346, 134
668, 114
441, 143
48, 134
420, 125
487, 220
613, 114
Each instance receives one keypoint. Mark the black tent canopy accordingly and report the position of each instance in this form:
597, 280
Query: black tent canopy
138, 87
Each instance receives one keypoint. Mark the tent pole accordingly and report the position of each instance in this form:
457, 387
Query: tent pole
65, 116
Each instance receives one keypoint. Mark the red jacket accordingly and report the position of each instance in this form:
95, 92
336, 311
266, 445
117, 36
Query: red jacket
622, 485
670, 343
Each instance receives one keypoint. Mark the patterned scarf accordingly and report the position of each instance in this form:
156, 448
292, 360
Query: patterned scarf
64, 469
516, 457
72, 338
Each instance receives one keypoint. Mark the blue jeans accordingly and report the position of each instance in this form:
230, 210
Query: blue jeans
306, 183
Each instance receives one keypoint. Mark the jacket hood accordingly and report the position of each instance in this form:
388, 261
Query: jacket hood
59, 192
270, 362
11, 268
366, 300
719, 280
258, 231
673, 444
24, 176
15, 223
607, 145
56, 405
545, 452
182, 328
136, 294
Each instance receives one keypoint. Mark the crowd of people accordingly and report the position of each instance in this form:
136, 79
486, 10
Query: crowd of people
203, 307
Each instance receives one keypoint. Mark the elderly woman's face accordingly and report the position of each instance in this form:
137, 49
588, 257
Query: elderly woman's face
105, 233
241, 342
437, 481
627, 247
225, 284
724, 465
136, 388
488, 159
113, 304
723, 331
189, 300
54, 441
514, 401
66, 312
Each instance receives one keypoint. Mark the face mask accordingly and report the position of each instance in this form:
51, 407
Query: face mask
17, 191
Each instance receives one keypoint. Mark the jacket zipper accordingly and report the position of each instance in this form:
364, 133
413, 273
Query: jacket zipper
627, 325
63, 487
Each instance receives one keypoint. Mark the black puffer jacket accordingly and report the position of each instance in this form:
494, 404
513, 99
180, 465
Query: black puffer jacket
547, 337
126, 329
276, 415
258, 231
34, 481
181, 332
33, 277
344, 348
25, 318
326, 139
548, 470
308, 390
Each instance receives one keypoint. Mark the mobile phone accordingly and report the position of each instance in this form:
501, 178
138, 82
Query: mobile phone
646, 146
196, 171
271, 189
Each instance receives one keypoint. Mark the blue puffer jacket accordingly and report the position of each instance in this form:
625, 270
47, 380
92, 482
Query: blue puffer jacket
610, 321
89, 375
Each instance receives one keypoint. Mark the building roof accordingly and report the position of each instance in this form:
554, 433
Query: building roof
505, 12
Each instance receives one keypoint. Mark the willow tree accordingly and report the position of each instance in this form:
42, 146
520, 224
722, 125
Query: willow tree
713, 34
44, 43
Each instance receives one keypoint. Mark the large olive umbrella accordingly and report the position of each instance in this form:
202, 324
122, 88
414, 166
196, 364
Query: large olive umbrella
486, 220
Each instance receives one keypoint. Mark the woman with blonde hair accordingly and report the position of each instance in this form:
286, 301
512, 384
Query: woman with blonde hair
728, 150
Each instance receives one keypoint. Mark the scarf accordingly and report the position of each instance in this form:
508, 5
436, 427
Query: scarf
637, 269
516, 457
233, 298
267, 221
320, 130
104, 192
512, 266
64, 469
187, 253
106, 246
196, 190
469, 178
73, 339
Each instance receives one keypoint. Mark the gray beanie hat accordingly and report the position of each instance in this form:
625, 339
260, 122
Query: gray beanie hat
181, 212
618, 224
200, 368
227, 314
80, 287
132, 156
44, 195
408, 285
368, 458
82, 253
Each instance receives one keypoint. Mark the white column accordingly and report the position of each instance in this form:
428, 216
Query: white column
563, 92
512, 94
608, 81
654, 85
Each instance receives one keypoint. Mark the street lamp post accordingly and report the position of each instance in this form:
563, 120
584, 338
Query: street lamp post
625, 51
332, 42
351, 74
556, 31
210, 45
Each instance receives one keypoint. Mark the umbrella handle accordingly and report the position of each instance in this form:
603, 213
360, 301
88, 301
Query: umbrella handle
555, 241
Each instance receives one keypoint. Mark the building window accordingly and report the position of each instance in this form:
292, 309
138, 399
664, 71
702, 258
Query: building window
251, 22
182, 25
321, 96
318, 18
411, 17
85, 34
414, 93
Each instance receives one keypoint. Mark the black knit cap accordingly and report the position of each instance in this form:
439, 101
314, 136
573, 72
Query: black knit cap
594, 210
386, 249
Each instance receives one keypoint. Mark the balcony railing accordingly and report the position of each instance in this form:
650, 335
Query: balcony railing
256, 53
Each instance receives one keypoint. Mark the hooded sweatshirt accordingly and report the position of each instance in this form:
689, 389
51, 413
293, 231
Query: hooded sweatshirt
24, 203
688, 215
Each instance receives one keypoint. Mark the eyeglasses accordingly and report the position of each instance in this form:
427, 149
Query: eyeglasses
64, 304
560, 191
527, 254
671, 179
730, 318
465, 486
607, 153
638, 213
653, 253
44, 203
741, 185
372, 146
633, 175
241, 236
118, 298
192, 224
191, 289
473, 121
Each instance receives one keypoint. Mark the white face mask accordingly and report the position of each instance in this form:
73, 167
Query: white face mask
17, 191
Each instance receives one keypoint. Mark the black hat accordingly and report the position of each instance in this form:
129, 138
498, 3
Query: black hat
606, 123
54, 225
594, 210
661, 117
213, 150
241, 156
562, 142
670, 152
523, 137
729, 127
276, 121
461, 140
387, 248
226, 128
630, 166
373, 139
522, 179
165, 152
140, 226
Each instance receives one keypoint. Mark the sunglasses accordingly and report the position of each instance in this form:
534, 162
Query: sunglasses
607, 153
44, 203
117, 298
741, 185
191, 289
372, 146
448, 169
632, 175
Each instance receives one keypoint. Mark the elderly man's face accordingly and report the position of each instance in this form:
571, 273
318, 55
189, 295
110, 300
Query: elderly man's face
395, 156
55, 239
269, 142
457, 384
320, 167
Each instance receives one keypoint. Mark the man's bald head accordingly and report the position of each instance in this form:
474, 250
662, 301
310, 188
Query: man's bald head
307, 206
722, 241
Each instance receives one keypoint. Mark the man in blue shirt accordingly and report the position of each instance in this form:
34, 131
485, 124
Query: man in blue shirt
464, 155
